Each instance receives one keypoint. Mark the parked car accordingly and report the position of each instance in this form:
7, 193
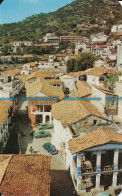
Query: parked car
103, 194
42, 134
50, 148
46, 126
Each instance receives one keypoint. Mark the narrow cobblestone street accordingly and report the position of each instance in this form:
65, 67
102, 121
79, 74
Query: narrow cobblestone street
61, 183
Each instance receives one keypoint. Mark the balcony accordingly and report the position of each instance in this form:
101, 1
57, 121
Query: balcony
40, 109
88, 168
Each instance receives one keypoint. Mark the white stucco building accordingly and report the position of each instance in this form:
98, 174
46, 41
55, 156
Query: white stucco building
5, 119
25, 71
118, 91
41, 95
71, 119
22, 43
30, 65
108, 103
116, 28
10, 89
69, 81
119, 57
99, 37
88, 157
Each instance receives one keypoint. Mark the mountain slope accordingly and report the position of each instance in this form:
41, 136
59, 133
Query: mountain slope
64, 20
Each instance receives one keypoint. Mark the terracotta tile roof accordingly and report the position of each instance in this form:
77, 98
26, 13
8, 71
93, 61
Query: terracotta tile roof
34, 69
32, 63
65, 76
47, 44
41, 102
43, 61
33, 88
72, 111
24, 56
4, 106
71, 56
78, 73
95, 138
56, 82
27, 175
104, 90
99, 42
32, 75
70, 36
22, 77
90, 46
43, 86
59, 55
99, 71
25, 69
6, 56
83, 89
3, 117
103, 46
96, 47
11, 72
109, 44
42, 74
51, 91
119, 33
2, 68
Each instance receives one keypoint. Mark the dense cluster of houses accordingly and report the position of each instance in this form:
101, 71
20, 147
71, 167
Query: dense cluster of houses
107, 48
108, 52
80, 107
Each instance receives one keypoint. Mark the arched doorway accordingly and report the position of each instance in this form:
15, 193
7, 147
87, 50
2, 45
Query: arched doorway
39, 118
47, 119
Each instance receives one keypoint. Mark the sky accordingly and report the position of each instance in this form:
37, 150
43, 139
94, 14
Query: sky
17, 10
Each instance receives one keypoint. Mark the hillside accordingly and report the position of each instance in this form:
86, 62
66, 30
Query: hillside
64, 20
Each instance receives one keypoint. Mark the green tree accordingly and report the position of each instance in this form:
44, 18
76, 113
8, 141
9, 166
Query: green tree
19, 51
72, 45
70, 65
110, 81
6, 49
84, 61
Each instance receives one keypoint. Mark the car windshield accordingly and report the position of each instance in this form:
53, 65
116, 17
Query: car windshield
41, 132
51, 146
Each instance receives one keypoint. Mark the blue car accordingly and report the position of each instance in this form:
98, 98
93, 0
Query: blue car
103, 194
42, 134
50, 148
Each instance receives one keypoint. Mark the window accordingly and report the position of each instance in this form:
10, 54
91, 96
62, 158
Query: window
40, 108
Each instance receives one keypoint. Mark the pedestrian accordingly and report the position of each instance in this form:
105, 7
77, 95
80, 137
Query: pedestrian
31, 150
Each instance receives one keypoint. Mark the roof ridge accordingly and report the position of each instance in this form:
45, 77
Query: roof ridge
84, 106
95, 138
